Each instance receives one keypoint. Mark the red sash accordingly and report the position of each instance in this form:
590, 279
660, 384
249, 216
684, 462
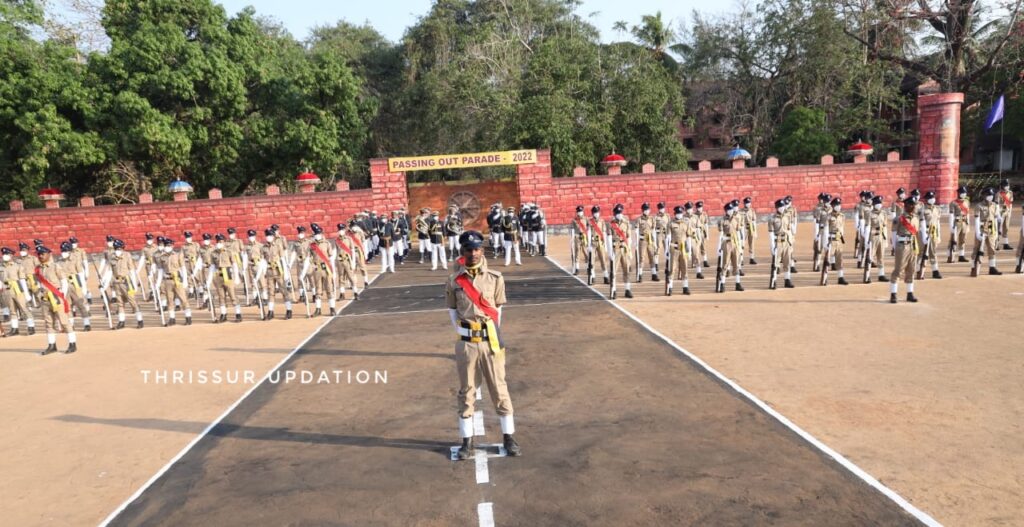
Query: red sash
53, 290
346, 248
963, 208
320, 253
1006, 199
908, 225
597, 229
356, 243
581, 227
618, 231
474, 296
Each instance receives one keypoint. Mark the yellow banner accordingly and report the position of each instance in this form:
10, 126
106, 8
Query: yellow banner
479, 159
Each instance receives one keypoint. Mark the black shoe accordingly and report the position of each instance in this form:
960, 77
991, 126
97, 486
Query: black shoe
88, 301
842, 281
654, 277
686, 290
640, 279
606, 280
7, 318
172, 322
355, 296
962, 259
49, 349
936, 274
792, 269
31, 331
994, 271
87, 328
742, 273
613, 294
288, 315
341, 296
739, 287
120, 325
73, 347
833, 267
317, 312
753, 261
466, 451
14, 332
858, 264
139, 325
188, 321
238, 317
511, 447
705, 264
700, 276
1007, 247
223, 317
883, 278
867, 280
789, 284
333, 312
629, 293
911, 297
892, 298
270, 315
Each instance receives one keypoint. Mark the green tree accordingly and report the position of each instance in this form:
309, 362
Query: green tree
803, 137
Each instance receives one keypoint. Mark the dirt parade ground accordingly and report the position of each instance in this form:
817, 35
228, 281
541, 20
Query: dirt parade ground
845, 409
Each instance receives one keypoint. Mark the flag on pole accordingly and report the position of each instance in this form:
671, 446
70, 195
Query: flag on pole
995, 114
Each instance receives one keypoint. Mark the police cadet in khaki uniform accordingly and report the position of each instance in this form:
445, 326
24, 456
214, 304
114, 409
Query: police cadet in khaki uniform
703, 232
300, 249
122, 287
729, 245
1005, 202
622, 247
81, 259
681, 239
835, 239
206, 262
55, 306
278, 277
598, 240
234, 247
149, 250
474, 296
223, 270
931, 231
895, 209
28, 263
254, 255
173, 287
986, 218
878, 226
780, 237
359, 238
661, 221
907, 228
321, 270
960, 223
647, 243
860, 217
750, 231
794, 220
17, 289
73, 288
579, 240
190, 255
346, 255
699, 243
820, 215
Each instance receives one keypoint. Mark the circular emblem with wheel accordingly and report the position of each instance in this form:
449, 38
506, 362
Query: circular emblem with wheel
467, 203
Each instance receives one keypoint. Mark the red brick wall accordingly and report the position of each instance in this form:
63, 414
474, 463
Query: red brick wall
435, 196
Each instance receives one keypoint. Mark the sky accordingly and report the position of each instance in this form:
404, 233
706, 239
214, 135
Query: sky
392, 17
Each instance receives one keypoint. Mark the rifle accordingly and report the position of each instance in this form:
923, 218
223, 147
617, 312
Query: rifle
773, 277
209, 281
636, 252
245, 278
923, 259
261, 268
977, 257
590, 259
867, 262
668, 266
156, 297
302, 285
719, 279
104, 283
952, 244
816, 244
134, 275
825, 256
574, 246
611, 268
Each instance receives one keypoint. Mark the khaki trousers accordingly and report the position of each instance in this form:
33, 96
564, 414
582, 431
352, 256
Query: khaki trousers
475, 362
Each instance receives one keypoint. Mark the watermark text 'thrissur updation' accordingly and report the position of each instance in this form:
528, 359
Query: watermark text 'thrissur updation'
216, 376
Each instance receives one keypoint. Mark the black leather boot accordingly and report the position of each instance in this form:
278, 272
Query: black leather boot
188, 321
466, 451
911, 297
739, 287
883, 278
238, 317
288, 315
511, 447
892, 298
629, 293
991, 271
73, 347
686, 290
139, 325
936, 274
842, 281
49, 349
789, 284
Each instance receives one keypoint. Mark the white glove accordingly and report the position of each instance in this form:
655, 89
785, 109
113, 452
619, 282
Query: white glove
453, 314
977, 229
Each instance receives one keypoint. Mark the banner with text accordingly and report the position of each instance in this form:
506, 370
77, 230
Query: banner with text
479, 159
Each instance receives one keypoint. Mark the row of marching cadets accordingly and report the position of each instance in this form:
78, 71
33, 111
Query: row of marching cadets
509, 231
910, 230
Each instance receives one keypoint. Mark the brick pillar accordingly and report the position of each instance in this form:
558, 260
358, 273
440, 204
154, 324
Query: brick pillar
273, 190
739, 163
214, 193
704, 165
87, 201
145, 197
535, 185
614, 170
938, 118
771, 162
179, 196
51, 203
341, 186
647, 168
17, 204
827, 159
579, 172
388, 188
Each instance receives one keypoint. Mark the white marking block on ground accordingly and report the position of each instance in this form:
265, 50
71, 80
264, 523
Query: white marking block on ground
493, 450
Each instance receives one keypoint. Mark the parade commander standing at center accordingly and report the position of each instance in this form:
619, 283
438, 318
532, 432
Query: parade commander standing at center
474, 295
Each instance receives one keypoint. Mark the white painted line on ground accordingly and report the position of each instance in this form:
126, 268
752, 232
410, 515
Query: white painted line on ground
486, 513
839, 458
478, 422
482, 476
506, 306
217, 421
479, 393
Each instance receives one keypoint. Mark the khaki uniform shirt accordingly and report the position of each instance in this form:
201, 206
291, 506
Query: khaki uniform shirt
961, 210
623, 226
681, 230
779, 227
661, 222
930, 214
836, 226
987, 212
646, 226
878, 224
492, 289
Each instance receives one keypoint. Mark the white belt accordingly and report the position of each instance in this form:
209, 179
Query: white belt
904, 239
466, 332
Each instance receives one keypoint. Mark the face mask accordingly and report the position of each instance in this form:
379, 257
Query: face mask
149, 242
74, 245
962, 195
63, 255
838, 208
118, 252
110, 244
746, 205
781, 209
579, 214
220, 245
931, 201
168, 249
318, 237
188, 240
252, 239
25, 253
7, 257
302, 235
989, 198
270, 239
232, 236
647, 212
597, 215
700, 209
618, 216
661, 210
731, 212
206, 242
878, 206
679, 216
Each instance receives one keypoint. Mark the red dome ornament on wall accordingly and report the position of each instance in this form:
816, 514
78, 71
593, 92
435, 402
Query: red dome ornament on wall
613, 160
860, 148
